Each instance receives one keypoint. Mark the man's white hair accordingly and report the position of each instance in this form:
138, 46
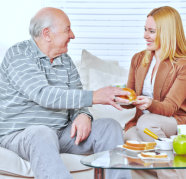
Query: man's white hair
37, 24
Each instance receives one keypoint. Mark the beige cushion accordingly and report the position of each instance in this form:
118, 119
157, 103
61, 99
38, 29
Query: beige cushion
89, 61
99, 79
12, 164
96, 73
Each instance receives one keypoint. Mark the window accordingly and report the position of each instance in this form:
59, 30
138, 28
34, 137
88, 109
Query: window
110, 29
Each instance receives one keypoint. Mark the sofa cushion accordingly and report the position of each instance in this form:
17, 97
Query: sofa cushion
12, 164
99, 79
89, 61
96, 73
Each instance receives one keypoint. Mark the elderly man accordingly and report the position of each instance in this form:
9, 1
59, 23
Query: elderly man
43, 109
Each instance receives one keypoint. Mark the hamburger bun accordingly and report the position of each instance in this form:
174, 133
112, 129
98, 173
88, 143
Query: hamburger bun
131, 97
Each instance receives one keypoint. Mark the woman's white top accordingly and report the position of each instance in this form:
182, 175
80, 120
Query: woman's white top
148, 87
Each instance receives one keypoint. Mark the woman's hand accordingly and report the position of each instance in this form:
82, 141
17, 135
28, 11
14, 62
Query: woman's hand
142, 102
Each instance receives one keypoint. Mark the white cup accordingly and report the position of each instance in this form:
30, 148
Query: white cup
181, 129
165, 144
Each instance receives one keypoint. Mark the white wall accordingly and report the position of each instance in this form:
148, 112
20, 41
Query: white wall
110, 29
15, 16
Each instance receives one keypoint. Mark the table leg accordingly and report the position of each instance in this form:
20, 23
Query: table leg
98, 173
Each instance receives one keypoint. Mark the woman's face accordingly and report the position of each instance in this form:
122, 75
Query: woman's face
150, 34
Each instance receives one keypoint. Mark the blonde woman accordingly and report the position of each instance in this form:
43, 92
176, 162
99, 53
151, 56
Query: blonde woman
158, 75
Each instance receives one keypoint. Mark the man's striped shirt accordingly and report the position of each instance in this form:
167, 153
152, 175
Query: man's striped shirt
35, 92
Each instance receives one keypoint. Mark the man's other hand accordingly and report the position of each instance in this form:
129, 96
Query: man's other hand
110, 96
81, 127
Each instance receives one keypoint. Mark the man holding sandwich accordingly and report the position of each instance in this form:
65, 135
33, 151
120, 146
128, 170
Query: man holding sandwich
43, 109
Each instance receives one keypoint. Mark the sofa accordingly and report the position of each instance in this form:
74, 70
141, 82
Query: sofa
95, 73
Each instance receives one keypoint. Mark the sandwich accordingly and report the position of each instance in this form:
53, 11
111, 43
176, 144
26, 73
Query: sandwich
131, 97
136, 145
155, 155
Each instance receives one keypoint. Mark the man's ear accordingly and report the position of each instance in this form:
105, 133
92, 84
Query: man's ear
46, 34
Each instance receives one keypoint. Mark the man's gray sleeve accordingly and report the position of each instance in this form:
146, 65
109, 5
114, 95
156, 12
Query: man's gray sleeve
76, 83
25, 76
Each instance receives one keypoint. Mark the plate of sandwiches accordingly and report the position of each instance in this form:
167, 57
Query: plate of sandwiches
146, 163
153, 155
137, 147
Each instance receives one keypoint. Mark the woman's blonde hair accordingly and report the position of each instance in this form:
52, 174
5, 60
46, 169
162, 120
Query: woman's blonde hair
170, 34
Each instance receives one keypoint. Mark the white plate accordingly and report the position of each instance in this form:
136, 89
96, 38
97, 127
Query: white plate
151, 158
137, 151
125, 103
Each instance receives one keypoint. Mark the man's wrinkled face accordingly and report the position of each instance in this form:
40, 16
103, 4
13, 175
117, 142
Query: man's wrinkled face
61, 34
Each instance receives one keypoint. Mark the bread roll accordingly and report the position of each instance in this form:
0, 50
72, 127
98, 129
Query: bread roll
130, 97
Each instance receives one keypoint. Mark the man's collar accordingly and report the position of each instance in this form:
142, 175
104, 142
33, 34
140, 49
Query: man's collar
57, 61
40, 54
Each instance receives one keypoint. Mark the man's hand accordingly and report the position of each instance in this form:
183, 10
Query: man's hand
142, 102
109, 95
81, 127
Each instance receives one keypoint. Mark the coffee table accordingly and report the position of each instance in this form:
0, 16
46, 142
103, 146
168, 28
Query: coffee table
120, 158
